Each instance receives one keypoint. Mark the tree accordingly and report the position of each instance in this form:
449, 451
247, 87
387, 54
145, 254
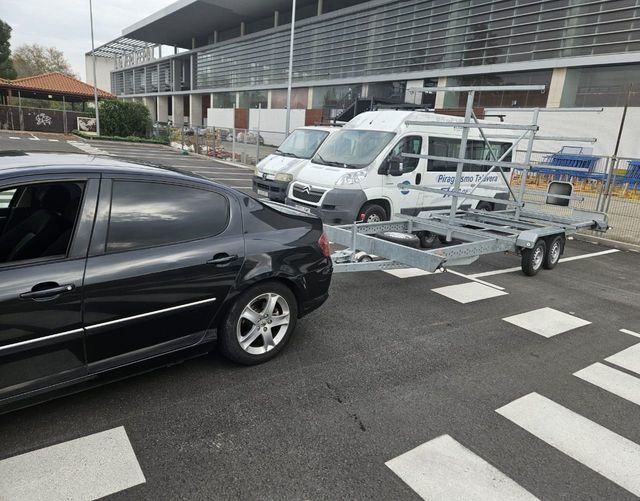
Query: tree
123, 118
35, 59
6, 65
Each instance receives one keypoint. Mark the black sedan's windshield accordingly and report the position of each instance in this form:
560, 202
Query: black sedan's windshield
352, 148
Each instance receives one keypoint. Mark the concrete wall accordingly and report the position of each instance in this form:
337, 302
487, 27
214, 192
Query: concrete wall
271, 122
220, 117
104, 65
604, 126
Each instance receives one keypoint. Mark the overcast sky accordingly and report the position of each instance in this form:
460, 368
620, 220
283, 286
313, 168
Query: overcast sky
64, 24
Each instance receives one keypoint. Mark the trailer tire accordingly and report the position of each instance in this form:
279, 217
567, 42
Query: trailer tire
555, 248
533, 259
488, 206
427, 239
372, 213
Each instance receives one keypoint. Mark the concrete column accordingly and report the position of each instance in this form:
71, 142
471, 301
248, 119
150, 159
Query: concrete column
556, 87
320, 7
365, 90
441, 97
150, 103
276, 18
163, 108
411, 96
269, 99
310, 98
177, 108
237, 100
242, 28
195, 110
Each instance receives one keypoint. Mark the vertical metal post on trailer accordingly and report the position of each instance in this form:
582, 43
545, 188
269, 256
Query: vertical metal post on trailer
527, 161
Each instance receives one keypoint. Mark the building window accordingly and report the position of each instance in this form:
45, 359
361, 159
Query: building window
299, 98
223, 100
500, 99
253, 99
336, 97
601, 86
388, 91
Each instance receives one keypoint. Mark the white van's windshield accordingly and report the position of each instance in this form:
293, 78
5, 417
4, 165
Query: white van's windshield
301, 143
352, 148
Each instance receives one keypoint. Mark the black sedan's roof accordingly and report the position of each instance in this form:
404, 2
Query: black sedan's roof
18, 162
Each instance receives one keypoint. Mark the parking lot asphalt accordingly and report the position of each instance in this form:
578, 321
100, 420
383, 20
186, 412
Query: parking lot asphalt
401, 386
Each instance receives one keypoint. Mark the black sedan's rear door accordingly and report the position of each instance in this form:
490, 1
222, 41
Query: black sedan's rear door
162, 260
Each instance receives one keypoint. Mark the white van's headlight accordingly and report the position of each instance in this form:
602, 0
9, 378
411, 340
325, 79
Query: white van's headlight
352, 178
284, 176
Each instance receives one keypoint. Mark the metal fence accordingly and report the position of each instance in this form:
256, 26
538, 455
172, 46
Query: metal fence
606, 184
39, 119
243, 146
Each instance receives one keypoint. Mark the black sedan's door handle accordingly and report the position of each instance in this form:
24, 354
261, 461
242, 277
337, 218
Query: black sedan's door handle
222, 259
48, 293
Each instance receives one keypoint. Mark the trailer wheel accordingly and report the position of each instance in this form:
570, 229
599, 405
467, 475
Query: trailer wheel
554, 251
443, 240
487, 206
533, 259
427, 239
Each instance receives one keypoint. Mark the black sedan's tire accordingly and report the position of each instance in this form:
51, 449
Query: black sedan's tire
533, 259
259, 324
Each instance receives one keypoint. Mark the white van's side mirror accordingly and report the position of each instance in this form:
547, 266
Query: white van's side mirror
395, 166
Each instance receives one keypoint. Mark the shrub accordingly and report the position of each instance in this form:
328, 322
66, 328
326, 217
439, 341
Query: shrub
123, 118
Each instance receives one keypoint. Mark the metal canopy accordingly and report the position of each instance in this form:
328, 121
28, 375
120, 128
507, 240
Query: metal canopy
120, 47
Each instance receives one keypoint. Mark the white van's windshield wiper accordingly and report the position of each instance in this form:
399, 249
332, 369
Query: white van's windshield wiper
286, 154
333, 163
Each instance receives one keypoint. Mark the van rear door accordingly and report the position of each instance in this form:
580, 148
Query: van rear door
413, 169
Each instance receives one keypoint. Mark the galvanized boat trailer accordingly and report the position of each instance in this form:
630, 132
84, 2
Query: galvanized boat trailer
524, 228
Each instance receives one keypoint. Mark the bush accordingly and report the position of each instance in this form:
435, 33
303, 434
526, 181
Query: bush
123, 118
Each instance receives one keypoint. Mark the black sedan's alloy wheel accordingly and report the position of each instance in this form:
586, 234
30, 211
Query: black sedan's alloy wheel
259, 324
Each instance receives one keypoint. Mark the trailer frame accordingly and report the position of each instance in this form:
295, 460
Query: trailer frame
518, 229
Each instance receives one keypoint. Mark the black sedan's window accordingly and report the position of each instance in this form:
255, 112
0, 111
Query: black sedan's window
147, 214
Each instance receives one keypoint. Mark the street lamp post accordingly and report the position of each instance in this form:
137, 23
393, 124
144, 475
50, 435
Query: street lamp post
293, 24
95, 80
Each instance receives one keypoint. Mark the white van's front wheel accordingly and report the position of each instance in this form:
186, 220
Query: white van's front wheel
373, 213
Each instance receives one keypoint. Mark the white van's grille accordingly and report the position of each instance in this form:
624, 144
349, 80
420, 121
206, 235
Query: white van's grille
306, 193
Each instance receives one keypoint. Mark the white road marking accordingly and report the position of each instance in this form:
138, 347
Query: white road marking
469, 292
90, 467
14, 137
546, 322
631, 333
408, 272
474, 279
613, 456
34, 138
53, 140
614, 381
443, 469
627, 359
562, 260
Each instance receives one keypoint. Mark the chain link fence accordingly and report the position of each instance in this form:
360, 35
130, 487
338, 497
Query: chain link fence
244, 146
605, 184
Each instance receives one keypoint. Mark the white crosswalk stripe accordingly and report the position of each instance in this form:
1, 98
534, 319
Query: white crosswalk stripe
604, 451
86, 468
443, 469
612, 380
627, 359
546, 322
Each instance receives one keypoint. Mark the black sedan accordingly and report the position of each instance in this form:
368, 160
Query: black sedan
108, 267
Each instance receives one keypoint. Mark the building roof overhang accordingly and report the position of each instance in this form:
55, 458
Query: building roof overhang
183, 20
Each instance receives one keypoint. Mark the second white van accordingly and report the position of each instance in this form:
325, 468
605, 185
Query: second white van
274, 172
354, 175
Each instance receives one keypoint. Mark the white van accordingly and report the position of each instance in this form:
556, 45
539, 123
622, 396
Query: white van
355, 173
274, 172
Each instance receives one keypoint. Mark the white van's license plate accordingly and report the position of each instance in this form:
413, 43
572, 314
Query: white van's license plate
303, 208
262, 193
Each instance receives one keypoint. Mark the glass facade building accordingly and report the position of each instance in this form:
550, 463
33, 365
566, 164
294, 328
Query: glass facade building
354, 48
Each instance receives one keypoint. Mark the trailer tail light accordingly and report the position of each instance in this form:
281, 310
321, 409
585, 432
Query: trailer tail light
323, 243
